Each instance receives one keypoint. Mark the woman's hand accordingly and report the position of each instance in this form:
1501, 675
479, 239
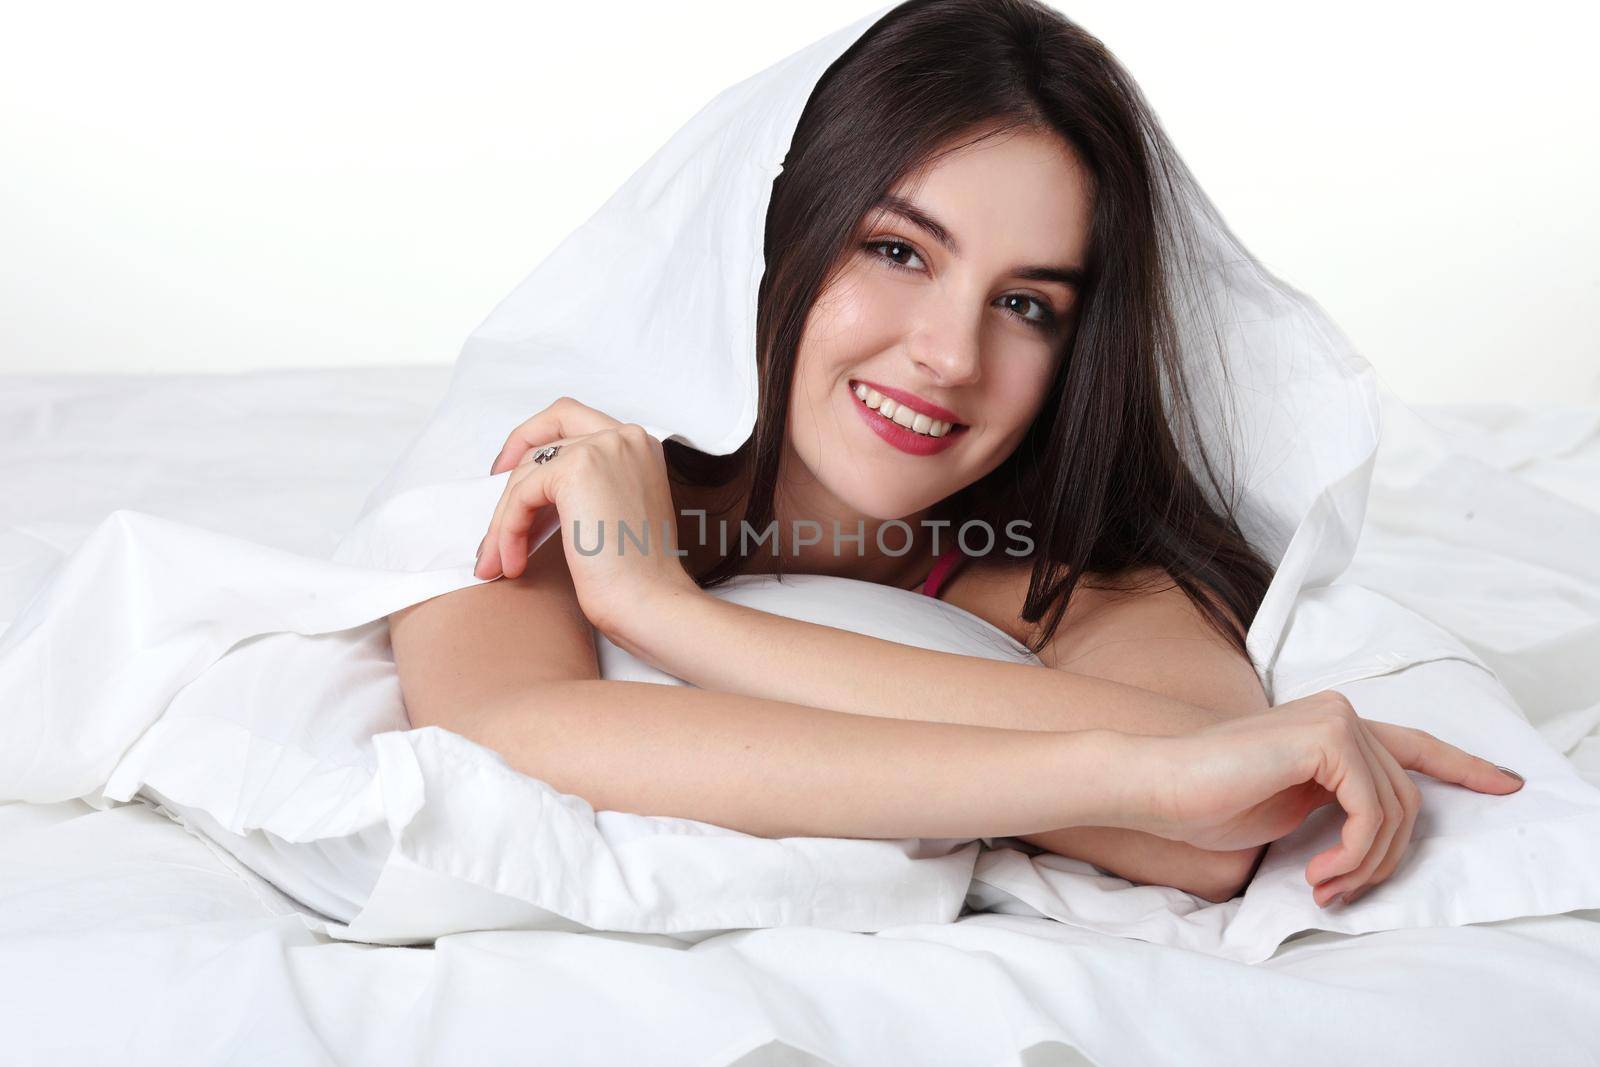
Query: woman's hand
608, 472
1252, 780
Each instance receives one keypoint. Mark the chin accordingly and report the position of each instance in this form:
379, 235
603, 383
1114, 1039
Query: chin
881, 506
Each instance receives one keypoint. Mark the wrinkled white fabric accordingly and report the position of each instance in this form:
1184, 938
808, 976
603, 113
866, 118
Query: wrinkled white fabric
127, 940
250, 690
182, 955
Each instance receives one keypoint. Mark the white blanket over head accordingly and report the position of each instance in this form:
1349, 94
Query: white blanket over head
251, 690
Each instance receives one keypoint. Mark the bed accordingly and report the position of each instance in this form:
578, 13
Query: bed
129, 938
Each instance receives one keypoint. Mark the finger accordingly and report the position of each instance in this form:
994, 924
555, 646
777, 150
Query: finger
1345, 771
1396, 816
1411, 798
1418, 750
530, 494
563, 419
1389, 806
491, 560
499, 554
488, 565
1393, 815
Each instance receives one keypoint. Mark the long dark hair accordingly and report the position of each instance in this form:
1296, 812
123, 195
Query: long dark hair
1099, 476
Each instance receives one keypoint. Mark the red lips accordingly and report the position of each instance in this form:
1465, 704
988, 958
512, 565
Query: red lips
908, 441
912, 401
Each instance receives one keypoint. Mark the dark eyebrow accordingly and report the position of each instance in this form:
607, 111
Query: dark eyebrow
1075, 277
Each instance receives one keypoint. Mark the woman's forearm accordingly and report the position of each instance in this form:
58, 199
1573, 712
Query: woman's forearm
782, 770
732, 648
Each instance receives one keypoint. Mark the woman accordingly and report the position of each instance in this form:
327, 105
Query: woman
964, 327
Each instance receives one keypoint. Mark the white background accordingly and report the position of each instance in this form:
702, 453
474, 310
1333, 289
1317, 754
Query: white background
220, 187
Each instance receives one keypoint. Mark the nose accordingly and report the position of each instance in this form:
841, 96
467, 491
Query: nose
948, 350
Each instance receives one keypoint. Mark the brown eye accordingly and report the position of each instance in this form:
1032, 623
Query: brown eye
1047, 319
873, 246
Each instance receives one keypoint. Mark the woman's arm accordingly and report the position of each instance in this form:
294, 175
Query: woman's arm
464, 649
783, 770
495, 643
1158, 642
730, 647
511, 664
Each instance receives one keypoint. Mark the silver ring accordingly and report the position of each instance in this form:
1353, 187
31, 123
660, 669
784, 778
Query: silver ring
547, 453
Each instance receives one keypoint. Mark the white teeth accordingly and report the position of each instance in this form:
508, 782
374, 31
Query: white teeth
900, 414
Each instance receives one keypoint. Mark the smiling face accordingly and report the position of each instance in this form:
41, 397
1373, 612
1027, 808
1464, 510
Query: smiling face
954, 300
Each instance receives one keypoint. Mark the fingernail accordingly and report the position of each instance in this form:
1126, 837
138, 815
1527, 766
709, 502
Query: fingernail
1512, 773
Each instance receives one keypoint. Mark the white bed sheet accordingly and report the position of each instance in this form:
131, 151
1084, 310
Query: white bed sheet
125, 938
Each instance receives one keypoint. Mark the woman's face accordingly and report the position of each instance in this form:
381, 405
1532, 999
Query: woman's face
965, 325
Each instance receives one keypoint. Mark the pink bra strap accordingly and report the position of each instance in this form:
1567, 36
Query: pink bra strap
941, 570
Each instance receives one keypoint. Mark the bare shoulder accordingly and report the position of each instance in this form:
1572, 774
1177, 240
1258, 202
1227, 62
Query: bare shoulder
1142, 629
995, 590
986, 589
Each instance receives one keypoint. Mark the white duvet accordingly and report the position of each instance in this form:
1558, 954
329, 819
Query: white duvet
224, 829
128, 939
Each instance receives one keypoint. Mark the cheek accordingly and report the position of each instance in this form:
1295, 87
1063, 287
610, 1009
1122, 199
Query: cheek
811, 368
1018, 397
855, 313
810, 394
837, 335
